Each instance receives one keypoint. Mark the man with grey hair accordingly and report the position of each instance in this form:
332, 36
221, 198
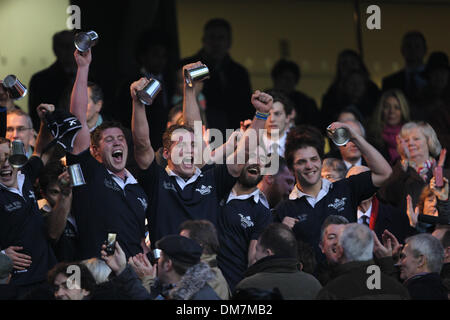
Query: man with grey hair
420, 263
357, 276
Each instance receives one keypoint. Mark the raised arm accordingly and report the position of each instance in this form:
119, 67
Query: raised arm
143, 150
262, 103
191, 111
381, 170
79, 100
44, 136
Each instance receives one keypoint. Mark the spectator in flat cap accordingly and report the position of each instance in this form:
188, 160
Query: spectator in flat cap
180, 274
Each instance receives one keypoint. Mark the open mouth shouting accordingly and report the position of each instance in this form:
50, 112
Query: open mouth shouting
254, 170
6, 173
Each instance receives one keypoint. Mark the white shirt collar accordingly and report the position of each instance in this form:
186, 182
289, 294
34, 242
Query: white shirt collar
181, 182
349, 165
128, 180
367, 213
257, 195
20, 182
270, 144
297, 194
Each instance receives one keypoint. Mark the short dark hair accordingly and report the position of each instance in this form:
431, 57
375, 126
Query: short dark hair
87, 281
96, 92
300, 137
283, 65
332, 219
280, 239
50, 174
96, 135
218, 23
59, 39
413, 34
167, 136
279, 96
173, 111
204, 232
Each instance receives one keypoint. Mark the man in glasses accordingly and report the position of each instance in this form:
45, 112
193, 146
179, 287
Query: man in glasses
20, 127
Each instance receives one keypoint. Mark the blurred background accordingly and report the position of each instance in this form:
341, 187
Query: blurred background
311, 33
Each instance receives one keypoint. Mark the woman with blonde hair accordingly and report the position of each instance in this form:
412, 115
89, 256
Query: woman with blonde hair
419, 148
388, 118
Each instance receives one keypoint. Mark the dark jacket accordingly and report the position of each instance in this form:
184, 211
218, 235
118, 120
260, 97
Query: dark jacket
402, 183
282, 273
350, 281
426, 286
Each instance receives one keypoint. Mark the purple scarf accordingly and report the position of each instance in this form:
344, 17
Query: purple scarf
389, 134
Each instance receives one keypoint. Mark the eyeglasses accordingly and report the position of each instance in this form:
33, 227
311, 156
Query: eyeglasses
19, 129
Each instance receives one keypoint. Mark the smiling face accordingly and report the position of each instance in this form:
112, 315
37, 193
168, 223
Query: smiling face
307, 166
392, 113
8, 175
112, 150
417, 145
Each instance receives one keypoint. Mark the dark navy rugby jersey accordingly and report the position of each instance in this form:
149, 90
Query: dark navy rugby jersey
342, 199
21, 224
240, 222
101, 206
170, 205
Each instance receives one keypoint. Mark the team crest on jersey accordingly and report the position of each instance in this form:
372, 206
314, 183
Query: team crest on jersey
338, 204
31, 195
204, 190
246, 222
302, 217
169, 186
111, 184
16, 205
143, 201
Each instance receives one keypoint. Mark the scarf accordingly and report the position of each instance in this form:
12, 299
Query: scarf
389, 135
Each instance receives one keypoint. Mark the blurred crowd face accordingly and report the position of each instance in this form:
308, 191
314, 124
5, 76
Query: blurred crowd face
392, 113
348, 63
283, 184
216, 42
62, 292
438, 79
330, 174
51, 194
330, 242
285, 81
350, 151
307, 166
155, 59
64, 53
429, 206
18, 128
92, 108
417, 145
355, 87
409, 264
413, 50
277, 119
